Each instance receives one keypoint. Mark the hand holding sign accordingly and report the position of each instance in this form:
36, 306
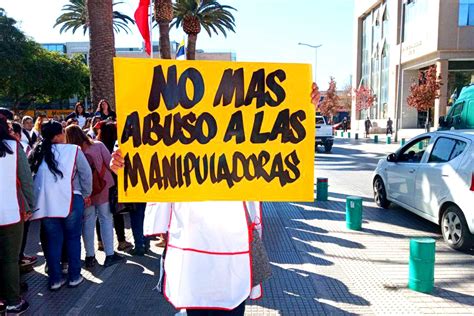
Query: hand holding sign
214, 131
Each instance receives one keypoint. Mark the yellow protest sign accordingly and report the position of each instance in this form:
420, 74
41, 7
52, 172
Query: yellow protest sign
204, 131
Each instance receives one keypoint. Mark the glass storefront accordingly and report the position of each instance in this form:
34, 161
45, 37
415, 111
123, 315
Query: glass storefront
375, 59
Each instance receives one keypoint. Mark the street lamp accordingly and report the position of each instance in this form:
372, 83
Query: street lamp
315, 55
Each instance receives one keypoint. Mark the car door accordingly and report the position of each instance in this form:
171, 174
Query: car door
401, 175
438, 175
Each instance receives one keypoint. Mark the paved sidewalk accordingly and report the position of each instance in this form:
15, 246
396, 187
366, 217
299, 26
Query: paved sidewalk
319, 267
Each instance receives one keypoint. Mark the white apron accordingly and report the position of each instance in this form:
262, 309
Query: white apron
208, 262
9, 207
54, 196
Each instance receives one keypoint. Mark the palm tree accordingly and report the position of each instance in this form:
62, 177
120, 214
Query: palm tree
164, 16
209, 14
75, 16
102, 50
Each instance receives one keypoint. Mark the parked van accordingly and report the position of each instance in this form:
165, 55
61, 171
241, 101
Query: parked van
461, 114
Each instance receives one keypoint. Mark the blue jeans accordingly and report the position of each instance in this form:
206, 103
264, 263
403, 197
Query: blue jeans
68, 229
137, 216
106, 221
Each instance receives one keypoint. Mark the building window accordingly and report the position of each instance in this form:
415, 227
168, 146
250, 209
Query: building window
466, 12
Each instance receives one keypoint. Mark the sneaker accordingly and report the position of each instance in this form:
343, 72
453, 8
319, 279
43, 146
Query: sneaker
138, 251
64, 267
124, 246
28, 261
90, 262
56, 286
19, 309
77, 282
101, 246
112, 259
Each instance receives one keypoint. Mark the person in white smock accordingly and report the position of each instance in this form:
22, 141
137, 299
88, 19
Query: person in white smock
214, 257
63, 183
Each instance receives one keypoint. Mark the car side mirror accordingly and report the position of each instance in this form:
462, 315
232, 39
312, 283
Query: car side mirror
392, 158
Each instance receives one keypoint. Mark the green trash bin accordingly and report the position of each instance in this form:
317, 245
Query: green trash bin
354, 213
348, 134
322, 189
420, 145
356, 136
402, 143
376, 139
342, 134
421, 265
389, 140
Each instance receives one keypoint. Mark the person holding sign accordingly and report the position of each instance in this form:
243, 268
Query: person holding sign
214, 259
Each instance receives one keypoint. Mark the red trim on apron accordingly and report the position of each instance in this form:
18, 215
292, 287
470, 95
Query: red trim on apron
207, 307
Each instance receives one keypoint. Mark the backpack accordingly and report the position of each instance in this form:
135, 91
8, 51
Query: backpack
98, 181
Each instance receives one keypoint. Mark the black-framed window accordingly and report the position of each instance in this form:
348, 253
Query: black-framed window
414, 151
446, 149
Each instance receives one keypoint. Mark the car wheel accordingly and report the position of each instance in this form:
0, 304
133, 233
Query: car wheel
455, 230
380, 194
327, 147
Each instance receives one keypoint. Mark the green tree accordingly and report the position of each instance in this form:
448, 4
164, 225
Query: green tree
31, 73
75, 16
209, 14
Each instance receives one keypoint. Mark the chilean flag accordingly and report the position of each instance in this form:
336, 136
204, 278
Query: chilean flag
141, 18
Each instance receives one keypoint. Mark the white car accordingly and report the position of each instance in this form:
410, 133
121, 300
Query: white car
433, 176
323, 134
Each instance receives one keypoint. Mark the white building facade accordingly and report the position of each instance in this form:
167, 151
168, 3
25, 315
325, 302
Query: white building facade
394, 41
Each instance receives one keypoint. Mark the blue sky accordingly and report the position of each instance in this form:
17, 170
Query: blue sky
267, 30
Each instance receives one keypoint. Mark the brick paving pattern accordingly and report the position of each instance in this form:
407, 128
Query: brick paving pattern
319, 267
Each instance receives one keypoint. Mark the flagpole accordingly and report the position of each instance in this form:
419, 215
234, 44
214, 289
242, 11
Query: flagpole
151, 26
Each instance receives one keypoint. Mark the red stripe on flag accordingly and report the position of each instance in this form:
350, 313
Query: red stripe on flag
141, 18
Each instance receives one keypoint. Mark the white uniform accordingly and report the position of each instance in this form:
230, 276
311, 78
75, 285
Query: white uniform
54, 195
208, 262
9, 207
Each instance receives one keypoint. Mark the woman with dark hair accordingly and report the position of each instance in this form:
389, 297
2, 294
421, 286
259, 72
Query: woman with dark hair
105, 111
79, 114
99, 159
60, 201
108, 136
93, 131
16, 207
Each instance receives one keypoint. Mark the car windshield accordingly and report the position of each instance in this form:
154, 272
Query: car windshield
320, 120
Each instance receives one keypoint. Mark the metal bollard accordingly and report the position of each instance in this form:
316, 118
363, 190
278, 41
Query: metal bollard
403, 141
322, 189
348, 134
354, 212
356, 136
376, 139
421, 266
389, 139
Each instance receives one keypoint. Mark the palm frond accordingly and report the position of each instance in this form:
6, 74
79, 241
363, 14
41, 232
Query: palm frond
75, 15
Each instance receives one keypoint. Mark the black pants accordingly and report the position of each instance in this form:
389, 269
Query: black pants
26, 227
119, 225
10, 244
238, 311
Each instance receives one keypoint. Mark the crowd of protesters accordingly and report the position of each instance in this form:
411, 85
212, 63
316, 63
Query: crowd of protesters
38, 159
62, 173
